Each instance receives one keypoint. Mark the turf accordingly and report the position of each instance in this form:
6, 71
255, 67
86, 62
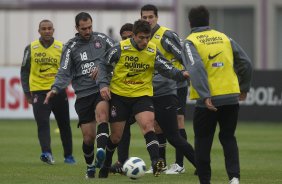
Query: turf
260, 146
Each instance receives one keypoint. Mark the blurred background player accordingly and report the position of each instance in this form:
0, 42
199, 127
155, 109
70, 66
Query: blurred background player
40, 64
169, 45
80, 57
220, 73
123, 146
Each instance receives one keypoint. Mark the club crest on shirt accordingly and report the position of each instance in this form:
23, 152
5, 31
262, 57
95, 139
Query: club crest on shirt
157, 36
97, 44
113, 111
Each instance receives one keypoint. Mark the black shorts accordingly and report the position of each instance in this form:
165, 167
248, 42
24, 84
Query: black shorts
182, 98
121, 108
85, 108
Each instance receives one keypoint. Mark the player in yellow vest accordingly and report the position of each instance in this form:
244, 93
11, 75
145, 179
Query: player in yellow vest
133, 62
169, 45
40, 65
220, 74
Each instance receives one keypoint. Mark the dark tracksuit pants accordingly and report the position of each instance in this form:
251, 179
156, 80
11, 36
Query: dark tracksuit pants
166, 116
204, 124
60, 107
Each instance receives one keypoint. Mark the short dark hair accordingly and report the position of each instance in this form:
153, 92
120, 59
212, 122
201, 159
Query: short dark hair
126, 27
199, 16
82, 16
44, 20
150, 7
141, 26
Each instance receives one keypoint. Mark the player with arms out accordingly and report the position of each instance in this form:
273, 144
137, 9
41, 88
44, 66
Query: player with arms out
80, 57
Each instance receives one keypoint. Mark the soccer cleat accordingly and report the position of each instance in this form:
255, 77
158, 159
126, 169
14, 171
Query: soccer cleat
69, 159
104, 172
90, 172
47, 158
100, 157
116, 168
158, 166
234, 180
175, 169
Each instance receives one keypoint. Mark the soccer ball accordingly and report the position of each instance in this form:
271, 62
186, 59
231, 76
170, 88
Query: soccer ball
134, 167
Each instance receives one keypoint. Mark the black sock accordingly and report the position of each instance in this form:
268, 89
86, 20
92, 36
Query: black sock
152, 145
178, 154
102, 135
88, 151
110, 149
123, 146
162, 146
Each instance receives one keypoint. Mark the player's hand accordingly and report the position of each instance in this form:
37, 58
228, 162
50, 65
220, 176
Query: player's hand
242, 96
94, 73
209, 104
49, 95
185, 74
28, 97
105, 93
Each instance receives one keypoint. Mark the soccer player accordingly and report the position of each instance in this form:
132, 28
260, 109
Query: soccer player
39, 67
169, 45
220, 74
133, 62
123, 146
80, 57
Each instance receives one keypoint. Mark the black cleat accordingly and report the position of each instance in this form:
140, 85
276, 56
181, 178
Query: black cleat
158, 166
116, 168
104, 172
90, 172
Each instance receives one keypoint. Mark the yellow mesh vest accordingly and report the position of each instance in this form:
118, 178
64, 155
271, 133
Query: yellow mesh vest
45, 63
133, 73
169, 56
215, 51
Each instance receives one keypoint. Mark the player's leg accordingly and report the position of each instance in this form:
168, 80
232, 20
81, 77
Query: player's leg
85, 109
166, 116
118, 114
42, 117
102, 118
204, 125
228, 123
144, 115
60, 108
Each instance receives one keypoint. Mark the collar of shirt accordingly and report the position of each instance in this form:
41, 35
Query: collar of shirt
46, 44
154, 30
200, 29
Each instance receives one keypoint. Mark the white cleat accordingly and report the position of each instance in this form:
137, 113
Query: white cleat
175, 169
234, 181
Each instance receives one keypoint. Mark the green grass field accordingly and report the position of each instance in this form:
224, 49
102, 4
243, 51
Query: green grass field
260, 146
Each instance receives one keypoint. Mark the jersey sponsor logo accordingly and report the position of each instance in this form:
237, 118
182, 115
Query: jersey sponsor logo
102, 36
213, 56
44, 70
111, 55
35, 46
97, 44
126, 47
206, 39
189, 54
67, 59
133, 82
173, 46
131, 58
131, 74
150, 49
217, 64
87, 68
157, 36
109, 42
57, 46
163, 62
